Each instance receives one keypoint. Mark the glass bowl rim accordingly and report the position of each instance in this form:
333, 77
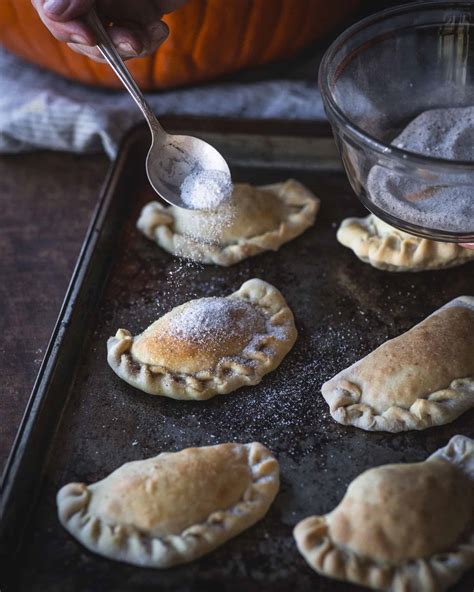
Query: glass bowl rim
360, 136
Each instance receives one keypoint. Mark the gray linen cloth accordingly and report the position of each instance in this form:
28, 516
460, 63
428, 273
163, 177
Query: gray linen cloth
39, 109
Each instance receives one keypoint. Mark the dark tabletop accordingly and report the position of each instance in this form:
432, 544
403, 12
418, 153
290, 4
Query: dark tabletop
46, 201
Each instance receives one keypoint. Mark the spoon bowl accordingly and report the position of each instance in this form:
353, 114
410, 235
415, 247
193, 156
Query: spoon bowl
171, 158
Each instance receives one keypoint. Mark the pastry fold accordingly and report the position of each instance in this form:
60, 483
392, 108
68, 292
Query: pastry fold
172, 508
388, 248
423, 378
256, 219
401, 527
208, 346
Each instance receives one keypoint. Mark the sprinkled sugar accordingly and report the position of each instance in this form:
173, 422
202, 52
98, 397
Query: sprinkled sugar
206, 189
212, 319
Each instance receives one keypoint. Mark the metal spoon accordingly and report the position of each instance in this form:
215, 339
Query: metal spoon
170, 158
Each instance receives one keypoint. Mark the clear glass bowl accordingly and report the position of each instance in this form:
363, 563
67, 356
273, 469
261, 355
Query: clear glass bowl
375, 78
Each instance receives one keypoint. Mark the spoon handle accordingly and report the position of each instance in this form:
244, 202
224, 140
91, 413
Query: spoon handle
111, 55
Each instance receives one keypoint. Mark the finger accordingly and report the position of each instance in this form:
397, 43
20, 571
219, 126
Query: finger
134, 40
90, 51
74, 31
130, 39
65, 10
94, 53
468, 246
131, 42
157, 32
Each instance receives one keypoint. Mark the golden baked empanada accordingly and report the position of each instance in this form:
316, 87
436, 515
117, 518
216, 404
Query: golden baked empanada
400, 528
174, 507
423, 378
254, 220
208, 346
386, 247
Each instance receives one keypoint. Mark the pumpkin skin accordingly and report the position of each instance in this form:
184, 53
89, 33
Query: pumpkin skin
207, 38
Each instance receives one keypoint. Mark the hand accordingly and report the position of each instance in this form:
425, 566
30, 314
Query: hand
468, 246
137, 28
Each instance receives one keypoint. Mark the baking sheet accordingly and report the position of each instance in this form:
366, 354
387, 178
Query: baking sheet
343, 309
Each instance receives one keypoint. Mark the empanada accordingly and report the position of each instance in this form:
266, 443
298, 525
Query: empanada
386, 247
254, 220
400, 528
174, 507
208, 346
423, 378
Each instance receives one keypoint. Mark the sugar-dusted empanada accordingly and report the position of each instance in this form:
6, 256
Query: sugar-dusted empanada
174, 507
254, 220
386, 247
423, 378
208, 346
400, 528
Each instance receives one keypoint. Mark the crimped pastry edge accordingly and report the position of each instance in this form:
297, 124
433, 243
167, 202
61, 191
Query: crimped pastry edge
437, 408
156, 222
129, 545
433, 574
263, 355
399, 251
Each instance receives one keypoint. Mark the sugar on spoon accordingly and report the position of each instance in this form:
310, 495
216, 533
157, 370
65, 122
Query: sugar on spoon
172, 160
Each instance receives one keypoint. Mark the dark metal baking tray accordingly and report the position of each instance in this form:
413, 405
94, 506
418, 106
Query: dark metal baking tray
82, 421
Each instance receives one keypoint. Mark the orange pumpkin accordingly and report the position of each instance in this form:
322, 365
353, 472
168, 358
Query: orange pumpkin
208, 38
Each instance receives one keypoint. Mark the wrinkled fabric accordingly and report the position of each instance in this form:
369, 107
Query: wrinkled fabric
40, 110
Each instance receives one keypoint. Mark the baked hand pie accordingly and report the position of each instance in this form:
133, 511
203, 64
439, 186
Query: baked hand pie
423, 378
208, 346
254, 220
386, 247
399, 528
174, 507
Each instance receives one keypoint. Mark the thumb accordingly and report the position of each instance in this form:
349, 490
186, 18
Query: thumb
66, 10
